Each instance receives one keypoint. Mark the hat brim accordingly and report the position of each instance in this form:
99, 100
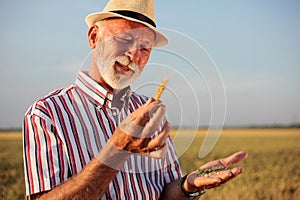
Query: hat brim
160, 38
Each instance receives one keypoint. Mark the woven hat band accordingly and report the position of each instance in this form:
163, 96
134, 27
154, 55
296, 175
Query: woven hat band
134, 15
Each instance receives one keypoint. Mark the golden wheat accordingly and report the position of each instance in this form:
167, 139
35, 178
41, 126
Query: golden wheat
161, 88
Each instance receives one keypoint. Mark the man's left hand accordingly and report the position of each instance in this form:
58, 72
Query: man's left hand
194, 182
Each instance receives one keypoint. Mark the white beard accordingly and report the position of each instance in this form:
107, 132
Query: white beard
107, 71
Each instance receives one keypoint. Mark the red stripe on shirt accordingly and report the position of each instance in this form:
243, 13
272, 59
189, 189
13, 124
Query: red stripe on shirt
64, 129
49, 151
28, 156
38, 151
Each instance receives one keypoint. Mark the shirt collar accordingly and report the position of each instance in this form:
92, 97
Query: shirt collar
94, 90
101, 95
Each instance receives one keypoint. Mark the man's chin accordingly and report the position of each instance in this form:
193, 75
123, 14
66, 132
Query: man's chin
118, 84
119, 80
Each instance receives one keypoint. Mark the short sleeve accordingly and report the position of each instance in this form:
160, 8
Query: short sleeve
45, 162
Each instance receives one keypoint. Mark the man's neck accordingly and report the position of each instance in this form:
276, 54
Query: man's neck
121, 98
96, 77
119, 95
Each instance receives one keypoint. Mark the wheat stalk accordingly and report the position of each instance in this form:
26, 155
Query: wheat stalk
161, 88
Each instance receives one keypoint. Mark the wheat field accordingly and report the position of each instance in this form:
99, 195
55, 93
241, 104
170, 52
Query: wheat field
271, 170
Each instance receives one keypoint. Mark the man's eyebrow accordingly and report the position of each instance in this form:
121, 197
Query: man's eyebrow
140, 39
123, 33
134, 36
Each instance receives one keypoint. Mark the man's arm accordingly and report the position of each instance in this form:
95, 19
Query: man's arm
92, 181
194, 182
95, 177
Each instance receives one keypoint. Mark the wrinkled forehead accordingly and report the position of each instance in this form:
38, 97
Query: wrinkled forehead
119, 26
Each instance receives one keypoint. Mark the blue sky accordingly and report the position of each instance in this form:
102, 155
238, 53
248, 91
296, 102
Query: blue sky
254, 45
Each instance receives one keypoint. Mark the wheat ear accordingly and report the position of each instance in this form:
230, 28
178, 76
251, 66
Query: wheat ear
161, 88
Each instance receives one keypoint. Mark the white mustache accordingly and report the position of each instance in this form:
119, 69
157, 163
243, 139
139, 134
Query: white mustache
124, 60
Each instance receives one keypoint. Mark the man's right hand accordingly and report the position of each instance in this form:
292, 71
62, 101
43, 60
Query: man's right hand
135, 133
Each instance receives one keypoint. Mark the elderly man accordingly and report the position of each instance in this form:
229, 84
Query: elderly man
99, 140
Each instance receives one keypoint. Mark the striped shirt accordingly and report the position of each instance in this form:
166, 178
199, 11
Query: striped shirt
65, 130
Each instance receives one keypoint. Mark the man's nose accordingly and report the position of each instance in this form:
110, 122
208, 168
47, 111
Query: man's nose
133, 52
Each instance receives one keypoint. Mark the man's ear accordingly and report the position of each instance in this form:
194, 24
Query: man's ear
93, 36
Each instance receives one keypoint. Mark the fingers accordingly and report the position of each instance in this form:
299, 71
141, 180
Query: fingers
155, 121
142, 115
160, 140
206, 182
145, 121
161, 153
226, 176
231, 174
139, 139
214, 173
214, 179
150, 116
226, 162
237, 170
235, 158
212, 164
130, 128
157, 148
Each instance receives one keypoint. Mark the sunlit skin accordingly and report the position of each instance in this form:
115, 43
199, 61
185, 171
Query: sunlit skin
119, 30
133, 40
121, 37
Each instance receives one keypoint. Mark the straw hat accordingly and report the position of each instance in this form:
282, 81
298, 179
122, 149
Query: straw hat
141, 11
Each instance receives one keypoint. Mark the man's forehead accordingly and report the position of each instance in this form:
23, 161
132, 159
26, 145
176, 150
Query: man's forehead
124, 26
